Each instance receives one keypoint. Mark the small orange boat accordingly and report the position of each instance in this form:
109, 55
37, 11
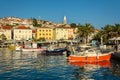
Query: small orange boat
90, 55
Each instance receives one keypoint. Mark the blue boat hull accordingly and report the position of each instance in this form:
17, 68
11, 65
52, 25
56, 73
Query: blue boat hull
55, 51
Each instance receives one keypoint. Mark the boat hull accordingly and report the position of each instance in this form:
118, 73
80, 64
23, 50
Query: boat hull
32, 49
103, 57
55, 52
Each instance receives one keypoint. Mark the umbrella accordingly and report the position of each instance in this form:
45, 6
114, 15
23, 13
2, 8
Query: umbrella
114, 38
118, 38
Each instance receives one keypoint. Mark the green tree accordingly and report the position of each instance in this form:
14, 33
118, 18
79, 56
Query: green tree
35, 23
116, 30
3, 37
107, 32
39, 25
97, 37
41, 39
73, 25
84, 31
110, 31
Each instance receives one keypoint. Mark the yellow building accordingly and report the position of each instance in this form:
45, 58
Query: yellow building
45, 32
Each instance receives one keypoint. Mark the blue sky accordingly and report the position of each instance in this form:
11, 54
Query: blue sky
96, 12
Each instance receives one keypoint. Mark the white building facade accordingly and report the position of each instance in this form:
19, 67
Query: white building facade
22, 34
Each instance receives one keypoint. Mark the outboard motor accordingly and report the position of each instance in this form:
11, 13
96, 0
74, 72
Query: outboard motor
68, 53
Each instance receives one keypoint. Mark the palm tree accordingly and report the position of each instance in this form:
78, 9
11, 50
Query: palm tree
84, 31
117, 30
107, 32
98, 36
110, 31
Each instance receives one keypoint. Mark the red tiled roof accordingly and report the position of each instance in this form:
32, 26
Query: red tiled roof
65, 27
22, 27
45, 27
7, 27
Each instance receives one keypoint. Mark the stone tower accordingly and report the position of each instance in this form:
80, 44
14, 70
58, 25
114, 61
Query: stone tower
65, 20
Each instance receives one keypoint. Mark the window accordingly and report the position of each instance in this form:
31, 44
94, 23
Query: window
19, 31
30, 37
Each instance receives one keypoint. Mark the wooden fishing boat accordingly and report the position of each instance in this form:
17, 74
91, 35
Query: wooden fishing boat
19, 48
90, 55
32, 47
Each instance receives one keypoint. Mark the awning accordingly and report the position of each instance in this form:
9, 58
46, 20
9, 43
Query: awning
115, 38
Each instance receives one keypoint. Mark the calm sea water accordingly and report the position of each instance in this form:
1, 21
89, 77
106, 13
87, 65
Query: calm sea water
34, 66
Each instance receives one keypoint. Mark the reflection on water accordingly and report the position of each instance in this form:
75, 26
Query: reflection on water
115, 68
92, 64
89, 70
34, 66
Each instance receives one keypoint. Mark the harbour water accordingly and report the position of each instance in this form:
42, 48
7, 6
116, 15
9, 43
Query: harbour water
34, 66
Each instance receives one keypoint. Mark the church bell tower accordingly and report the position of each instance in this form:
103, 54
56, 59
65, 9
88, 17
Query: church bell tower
64, 20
